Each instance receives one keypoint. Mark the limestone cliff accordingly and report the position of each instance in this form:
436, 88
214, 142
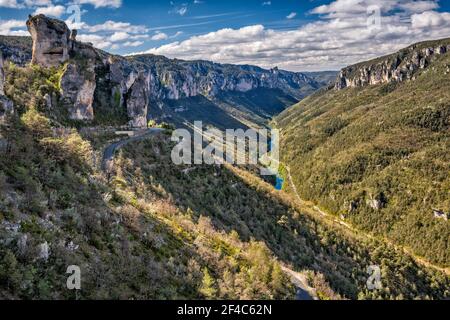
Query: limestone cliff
137, 101
177, 79
77, 90
397, 67
51, 40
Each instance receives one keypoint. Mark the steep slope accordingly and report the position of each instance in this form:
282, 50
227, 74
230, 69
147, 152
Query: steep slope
57, 209
154, 230
377, 155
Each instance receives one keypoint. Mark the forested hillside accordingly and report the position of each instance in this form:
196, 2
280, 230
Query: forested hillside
378, 155
153, 230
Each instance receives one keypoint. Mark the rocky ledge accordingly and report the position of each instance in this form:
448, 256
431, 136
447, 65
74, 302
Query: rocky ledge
397, 67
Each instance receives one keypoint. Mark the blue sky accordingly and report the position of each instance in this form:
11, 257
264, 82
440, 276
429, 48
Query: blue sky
293, 34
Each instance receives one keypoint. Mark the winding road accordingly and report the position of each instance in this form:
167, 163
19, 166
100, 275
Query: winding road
108, 154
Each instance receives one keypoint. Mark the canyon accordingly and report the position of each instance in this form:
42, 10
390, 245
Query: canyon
94, 82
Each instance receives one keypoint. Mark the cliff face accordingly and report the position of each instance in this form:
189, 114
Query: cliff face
77, 88
95, 81
51, 41
397, 67
137, 101
176, 79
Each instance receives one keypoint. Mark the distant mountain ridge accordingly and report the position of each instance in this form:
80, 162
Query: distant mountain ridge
397, 67
169, 90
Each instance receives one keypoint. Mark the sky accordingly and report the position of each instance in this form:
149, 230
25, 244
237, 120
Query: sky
296, 35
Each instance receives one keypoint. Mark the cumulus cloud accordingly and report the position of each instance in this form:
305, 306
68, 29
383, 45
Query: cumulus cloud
55, 11
8, 3
101, 3
119, 36
341, 36
159, 36
430, 19
111, 34
10, 27
117, 26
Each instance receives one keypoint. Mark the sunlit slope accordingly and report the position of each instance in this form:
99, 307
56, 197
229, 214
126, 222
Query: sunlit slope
379, 156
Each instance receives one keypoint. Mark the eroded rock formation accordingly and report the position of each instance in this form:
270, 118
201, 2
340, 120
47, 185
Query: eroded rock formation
51, 41
397, 67
87, 67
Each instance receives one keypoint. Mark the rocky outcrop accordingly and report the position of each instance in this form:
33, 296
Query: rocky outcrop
439, 214
51, 41
397, 67
137, 101
77, 90
378, 202
53, 45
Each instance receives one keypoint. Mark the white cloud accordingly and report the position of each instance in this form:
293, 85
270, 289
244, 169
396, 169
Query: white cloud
176, 35
339, 38
112, 26
430, 19
159, 36
35, 3
292, 15
8, 3
267, 3
101, 3
56, 11
119, 36
8, 27
133, 43
419, 6
97, 40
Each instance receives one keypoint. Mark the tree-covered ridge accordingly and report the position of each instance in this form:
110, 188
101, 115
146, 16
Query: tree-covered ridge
57, 209
238, 202
379, 157
151, 230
